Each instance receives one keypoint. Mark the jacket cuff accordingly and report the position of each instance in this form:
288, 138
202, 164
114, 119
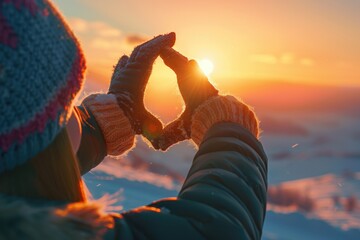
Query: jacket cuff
115, 126
222, 109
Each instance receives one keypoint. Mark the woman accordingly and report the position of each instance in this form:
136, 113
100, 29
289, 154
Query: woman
46, 144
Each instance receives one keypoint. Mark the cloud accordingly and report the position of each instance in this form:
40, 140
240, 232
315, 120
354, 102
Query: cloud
104, 30
81, 26
282, 155
282, 127
135, 39
290, 198
286, 58
143, 165
330, 153
120, 168
307, 62
351, 203
139, 162
321, 197
264, 58
103, 44
300, 98
78, 25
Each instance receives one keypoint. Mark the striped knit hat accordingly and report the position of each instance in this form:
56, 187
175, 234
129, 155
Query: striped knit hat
41, 71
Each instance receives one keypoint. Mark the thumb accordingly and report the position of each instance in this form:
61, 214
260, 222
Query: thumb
120, 65
174, 60
173, 133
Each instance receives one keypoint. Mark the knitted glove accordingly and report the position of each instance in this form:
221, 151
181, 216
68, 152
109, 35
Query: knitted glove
204, 107
121, 113
129, 81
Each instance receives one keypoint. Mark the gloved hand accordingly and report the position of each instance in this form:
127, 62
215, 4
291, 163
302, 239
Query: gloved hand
129, 81
195, 89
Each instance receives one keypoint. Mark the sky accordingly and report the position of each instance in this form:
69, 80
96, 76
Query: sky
314, 42
300, 41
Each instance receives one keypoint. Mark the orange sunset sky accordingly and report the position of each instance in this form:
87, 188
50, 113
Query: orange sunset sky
301, 41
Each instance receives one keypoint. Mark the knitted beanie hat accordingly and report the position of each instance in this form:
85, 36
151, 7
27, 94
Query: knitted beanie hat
41, 71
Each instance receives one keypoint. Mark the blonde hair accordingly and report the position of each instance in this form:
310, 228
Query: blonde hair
52, 174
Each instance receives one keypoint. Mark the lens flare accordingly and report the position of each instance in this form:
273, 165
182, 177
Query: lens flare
206, 66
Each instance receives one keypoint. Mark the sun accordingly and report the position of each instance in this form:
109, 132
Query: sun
206, 66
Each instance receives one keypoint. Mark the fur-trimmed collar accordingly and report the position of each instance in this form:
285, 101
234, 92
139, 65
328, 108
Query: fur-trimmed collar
22, 219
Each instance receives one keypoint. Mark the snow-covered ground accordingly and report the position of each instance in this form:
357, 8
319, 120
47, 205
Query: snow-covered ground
314, 168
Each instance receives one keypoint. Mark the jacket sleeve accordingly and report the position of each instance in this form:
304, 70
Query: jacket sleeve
92, 148
223, 197
105, 130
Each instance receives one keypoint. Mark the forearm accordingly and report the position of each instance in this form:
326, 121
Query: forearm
224, 195
229, 175
92, 148
106, 130
229, 171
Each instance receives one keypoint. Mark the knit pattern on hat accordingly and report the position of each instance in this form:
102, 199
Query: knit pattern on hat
41, 71
115, 126
222, 109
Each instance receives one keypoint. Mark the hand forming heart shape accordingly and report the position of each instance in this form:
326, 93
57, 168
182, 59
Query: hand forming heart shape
128, 84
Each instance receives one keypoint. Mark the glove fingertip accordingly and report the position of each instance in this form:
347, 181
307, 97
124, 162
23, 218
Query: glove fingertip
121, 63
123, 60
155, 144
161, 143
172, 134
194, 64
171, 39
173, 59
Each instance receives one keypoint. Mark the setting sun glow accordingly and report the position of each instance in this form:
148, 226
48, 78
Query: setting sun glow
206, 66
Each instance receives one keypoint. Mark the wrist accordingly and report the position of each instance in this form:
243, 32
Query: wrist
127, 104
222, 109
114, 124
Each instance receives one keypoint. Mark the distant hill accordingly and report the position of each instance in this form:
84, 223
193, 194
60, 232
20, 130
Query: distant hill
265, 95
295, 97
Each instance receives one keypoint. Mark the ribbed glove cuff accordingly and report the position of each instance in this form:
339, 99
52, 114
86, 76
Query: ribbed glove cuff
222, 109
115, 126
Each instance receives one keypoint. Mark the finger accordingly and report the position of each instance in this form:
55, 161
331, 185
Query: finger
174, 60
195, 66
172, 134
146, 53
121, 63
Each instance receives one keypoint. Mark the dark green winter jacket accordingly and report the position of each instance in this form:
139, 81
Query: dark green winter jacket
223, 197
